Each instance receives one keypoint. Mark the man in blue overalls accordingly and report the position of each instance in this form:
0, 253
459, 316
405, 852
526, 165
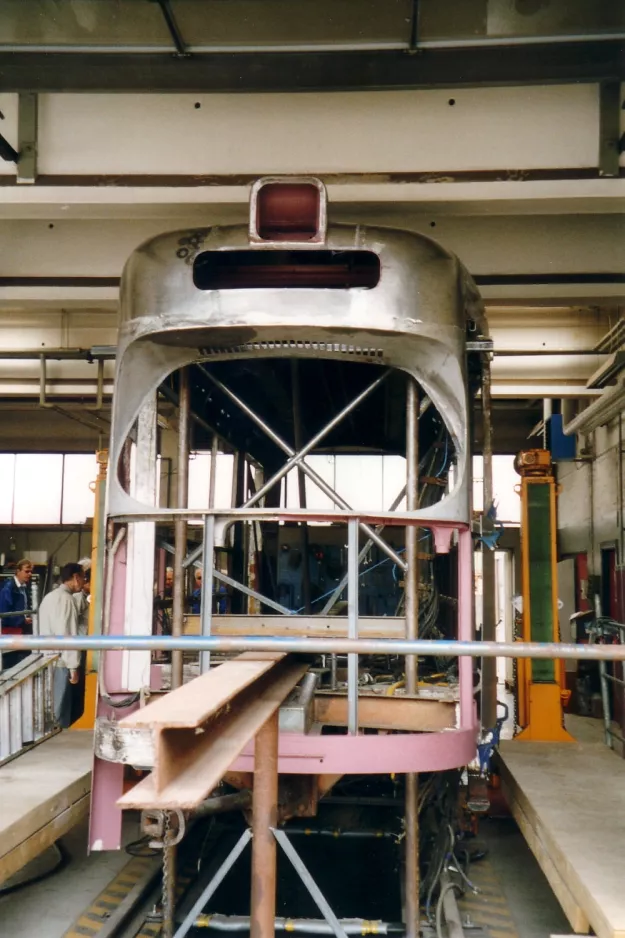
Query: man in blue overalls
14, 598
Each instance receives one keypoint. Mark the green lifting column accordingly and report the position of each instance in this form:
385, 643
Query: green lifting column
540, 543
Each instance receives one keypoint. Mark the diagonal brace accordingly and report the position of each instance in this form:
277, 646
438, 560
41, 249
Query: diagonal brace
214, 883
321, 483
312, 887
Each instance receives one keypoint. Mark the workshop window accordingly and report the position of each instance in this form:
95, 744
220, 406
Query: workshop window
505, 480
47, 488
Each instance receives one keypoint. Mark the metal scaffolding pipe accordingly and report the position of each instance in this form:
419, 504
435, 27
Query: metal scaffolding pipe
411, 588
302, 926
301, 484
180, 525
411, 856
352, 626
264, 820
337, 832
219, 804
489, 624
411, 608
443, 648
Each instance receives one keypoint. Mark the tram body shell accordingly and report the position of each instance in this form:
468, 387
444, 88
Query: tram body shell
414, 319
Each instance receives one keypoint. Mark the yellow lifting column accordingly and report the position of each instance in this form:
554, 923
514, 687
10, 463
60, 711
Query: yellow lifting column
87, 720
541, 691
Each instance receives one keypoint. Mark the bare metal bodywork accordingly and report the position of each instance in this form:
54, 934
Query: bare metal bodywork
415, 319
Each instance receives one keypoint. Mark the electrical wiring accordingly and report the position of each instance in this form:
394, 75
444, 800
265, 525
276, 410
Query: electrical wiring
141, 848
438, 922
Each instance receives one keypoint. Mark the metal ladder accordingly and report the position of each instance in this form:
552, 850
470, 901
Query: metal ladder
26, 705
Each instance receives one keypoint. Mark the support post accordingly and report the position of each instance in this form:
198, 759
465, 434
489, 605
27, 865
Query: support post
206, 605
489, 625
411, 589
609, 128
411, 594
239, 534
98, 555
301, 484
352, 626
180, 524
27, 138
264, 820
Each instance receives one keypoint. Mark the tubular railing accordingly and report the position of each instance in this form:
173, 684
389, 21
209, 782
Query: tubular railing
443, 648
26, 704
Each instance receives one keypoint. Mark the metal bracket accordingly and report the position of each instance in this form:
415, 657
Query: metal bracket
609, 128
173, 28
7, 152
27, 138
480, 345
158, 826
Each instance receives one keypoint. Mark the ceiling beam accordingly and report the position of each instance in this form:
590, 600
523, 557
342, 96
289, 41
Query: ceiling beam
538, 63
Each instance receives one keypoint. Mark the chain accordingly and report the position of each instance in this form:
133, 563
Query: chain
168, 912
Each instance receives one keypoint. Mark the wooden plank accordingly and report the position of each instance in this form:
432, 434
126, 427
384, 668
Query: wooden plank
39, 794
311, 626
190, 766
571, 799
39, 841
531, 831
389, 713
199, 700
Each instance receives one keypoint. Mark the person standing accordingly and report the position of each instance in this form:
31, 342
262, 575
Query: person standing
14, 598
58, 615
196, 595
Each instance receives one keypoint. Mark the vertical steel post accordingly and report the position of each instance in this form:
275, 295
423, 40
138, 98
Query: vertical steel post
411, 589
206, 606
180, 550
27, 133
180, 543
301, 483
352, 626
212, 476
489, 625
264, 819
411, 594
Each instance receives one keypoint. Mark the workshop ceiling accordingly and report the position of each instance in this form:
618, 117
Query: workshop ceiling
494, 126
126, 45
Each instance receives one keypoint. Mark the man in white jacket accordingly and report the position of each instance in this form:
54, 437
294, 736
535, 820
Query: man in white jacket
58, 615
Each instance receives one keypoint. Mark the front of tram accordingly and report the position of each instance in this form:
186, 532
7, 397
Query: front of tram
323, 368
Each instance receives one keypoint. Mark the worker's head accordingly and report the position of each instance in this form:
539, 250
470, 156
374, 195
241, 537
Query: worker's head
197, 576
24, 571
169, 577
86, 586
73, 577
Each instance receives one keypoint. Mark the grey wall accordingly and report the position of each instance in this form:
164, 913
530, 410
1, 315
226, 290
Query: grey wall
589, 509
63, 544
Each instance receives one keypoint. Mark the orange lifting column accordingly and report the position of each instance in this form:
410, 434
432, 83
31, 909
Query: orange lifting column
87, 720
541, 692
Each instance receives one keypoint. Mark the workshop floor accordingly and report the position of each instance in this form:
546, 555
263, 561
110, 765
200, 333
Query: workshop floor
531, 905
47, 908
